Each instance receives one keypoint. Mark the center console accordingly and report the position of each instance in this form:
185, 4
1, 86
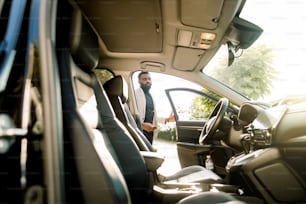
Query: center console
237, 162
264, 173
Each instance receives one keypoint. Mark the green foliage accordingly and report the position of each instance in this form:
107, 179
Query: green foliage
202, 106
251, 74
168, 134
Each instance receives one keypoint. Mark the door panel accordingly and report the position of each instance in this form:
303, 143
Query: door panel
190, 117
191, 108
189, 112
189, 131
192, 154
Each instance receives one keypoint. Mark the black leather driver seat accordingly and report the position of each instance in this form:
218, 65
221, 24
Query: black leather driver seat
117, 91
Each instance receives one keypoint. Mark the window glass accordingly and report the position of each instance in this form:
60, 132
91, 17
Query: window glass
161, 82
193, 106
273, 67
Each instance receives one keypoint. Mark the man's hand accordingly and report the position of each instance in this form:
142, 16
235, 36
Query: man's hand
149, 127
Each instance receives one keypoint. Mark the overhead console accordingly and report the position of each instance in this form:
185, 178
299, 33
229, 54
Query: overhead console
200, 35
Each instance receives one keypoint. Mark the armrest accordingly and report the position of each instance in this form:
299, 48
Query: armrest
153, 160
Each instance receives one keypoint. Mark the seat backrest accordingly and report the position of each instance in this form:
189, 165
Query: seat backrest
104, 164
117, 91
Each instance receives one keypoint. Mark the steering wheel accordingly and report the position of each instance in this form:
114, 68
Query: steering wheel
213, 120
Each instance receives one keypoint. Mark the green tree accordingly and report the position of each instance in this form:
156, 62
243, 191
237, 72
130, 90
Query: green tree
251, 74
202, 106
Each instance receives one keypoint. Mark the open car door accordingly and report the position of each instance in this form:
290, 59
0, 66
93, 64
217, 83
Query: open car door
191, 108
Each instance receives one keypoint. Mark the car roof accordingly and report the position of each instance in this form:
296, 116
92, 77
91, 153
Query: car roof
169, 36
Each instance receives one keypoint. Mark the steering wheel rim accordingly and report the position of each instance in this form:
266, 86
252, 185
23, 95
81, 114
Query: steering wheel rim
213, 120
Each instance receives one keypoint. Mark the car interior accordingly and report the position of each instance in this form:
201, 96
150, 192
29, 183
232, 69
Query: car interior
116, 91
76, 64
67, 136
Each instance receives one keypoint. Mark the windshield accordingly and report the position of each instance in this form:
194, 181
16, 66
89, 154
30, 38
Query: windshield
273, 67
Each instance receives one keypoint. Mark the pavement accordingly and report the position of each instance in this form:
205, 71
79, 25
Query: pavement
167, 149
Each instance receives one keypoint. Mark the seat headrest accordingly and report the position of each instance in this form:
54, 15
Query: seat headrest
84, 43
117, 86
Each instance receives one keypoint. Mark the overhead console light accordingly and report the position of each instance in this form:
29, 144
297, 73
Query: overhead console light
194, 39
203, 46
208, 36
205, 40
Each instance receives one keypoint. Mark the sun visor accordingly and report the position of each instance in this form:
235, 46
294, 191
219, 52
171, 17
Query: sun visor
192, 13
124, 30
186, 59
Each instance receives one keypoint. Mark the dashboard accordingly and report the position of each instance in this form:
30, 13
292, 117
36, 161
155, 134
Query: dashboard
279, 124
273, 140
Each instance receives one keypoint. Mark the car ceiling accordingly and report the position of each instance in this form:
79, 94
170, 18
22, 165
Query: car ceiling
163, 35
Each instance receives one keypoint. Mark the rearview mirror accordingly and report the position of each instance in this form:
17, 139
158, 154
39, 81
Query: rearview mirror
241, 35
231, 53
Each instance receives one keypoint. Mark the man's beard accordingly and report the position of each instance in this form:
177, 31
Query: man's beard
145, 88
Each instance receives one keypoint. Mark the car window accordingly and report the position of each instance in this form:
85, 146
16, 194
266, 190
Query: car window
273, 67
185, 101
191, 105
